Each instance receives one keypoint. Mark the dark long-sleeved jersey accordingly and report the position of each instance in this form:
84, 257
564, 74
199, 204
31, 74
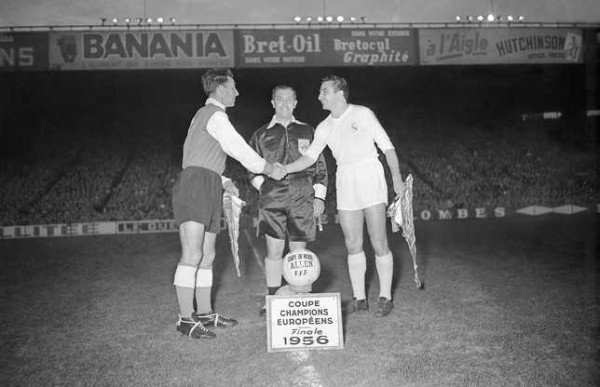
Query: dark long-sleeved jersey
276, 143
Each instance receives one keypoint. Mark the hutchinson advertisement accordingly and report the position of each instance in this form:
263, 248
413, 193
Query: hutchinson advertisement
327, 47
121, 50
23, 51
468, 46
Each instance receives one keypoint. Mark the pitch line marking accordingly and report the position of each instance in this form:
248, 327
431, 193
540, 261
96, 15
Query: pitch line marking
305, 374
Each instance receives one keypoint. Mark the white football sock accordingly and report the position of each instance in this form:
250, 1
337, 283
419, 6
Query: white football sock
357, 267
273, 272
385, 271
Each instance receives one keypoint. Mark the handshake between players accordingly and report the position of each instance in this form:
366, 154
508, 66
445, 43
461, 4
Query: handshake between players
279, 171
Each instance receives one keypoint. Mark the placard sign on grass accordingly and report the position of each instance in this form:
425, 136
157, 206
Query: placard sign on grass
304, 321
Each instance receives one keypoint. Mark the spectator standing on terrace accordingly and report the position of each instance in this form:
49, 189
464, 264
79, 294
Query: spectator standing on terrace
287, 208
197, 200
352, 132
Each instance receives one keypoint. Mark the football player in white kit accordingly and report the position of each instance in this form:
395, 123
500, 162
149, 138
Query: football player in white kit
352, 132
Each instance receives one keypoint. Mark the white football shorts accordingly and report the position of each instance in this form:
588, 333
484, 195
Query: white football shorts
360, 185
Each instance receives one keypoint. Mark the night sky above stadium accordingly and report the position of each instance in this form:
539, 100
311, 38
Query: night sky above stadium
61, 12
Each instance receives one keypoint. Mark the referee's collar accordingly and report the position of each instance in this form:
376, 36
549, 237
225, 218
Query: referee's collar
274, 121
213, 101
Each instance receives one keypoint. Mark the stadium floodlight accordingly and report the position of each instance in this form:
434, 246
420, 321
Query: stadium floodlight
160, 20
521, 18
329, 19
340, 19
480, 18
139, 20
173, 20
458, 18
127, 20
297, 19
320, 19
103, 20
309, 19
115, 20
490, 17
469, 18
149, 20
362, 18
352, 19
509, 18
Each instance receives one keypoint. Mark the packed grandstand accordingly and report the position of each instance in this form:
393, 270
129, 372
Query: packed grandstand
86, 177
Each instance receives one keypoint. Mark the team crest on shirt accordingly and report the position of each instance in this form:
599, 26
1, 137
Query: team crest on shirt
303, 145
354, 127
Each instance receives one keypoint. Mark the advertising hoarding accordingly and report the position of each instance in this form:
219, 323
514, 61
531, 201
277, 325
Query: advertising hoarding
469, 46
325, 47
23, 51
124, 50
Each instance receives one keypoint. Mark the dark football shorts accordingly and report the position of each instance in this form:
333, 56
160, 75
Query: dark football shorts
286, 208
198, 197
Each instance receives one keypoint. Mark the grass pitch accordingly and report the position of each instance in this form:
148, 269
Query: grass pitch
507, 302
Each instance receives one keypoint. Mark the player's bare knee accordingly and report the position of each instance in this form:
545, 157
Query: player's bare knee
194, 262
204, 266
380, 246
207, 260
190, 259
381, 251
190, 255
354, 245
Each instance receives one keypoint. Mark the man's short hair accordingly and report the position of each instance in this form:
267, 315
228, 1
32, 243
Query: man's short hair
212, 78
338, 83
282, 87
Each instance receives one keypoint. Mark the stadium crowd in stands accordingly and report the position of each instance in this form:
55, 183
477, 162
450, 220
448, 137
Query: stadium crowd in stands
82, 178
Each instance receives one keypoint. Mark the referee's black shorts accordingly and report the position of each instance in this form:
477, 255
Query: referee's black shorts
286, 208
198, 197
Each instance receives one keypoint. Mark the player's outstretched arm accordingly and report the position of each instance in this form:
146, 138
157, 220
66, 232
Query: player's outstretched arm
300, 164
312, 153
392, 160
234, 145
256, 179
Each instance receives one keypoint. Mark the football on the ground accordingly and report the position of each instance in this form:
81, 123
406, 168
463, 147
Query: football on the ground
301, 267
